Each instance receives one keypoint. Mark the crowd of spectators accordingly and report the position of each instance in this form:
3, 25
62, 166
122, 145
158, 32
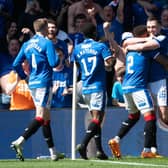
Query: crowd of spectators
16, 19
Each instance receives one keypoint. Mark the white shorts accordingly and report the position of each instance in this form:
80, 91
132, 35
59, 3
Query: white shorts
139, 101
159, 92
95, 101
42, 96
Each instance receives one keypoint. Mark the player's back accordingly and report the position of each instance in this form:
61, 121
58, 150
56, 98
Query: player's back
137, 70
41, 57
90, 55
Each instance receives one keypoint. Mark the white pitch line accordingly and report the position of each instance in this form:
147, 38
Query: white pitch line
130, 163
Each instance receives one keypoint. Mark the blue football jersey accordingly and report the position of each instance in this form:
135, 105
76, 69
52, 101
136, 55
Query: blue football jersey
41, 56
62, 45
76, 38
137, 70
63, 79
91, 55
157, 70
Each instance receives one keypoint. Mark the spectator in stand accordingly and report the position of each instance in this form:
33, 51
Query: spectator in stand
52, 32
117, 92
142, 9
6, 68
13, 48
62, 18
7, 60
87, 7
62, 83
41, 56
77, 37
12, 31
20, 97
115, 20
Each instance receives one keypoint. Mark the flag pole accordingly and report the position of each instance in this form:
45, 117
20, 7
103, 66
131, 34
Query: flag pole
73, 139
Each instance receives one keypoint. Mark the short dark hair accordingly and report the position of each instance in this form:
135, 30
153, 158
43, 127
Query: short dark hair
139, 30
153, 18
51, 21
89, 30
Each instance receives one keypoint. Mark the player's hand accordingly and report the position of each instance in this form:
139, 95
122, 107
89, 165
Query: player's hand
106, 25
26, 30
65, 92
91, 12
55, 88
25, 66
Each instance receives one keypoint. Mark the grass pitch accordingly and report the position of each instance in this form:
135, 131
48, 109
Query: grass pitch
126, 162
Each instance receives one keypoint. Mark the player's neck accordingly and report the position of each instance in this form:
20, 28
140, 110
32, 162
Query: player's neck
40, 34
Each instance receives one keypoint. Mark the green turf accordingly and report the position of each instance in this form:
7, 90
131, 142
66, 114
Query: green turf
127, 162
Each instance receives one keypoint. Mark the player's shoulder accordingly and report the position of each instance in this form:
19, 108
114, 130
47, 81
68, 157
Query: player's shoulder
98, 44
160, 37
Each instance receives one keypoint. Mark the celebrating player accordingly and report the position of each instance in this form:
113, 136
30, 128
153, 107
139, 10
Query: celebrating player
92, 57
41, 56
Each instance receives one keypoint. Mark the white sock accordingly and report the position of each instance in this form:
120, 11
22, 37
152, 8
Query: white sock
153, 149
117, 138
20, 140
52, 151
